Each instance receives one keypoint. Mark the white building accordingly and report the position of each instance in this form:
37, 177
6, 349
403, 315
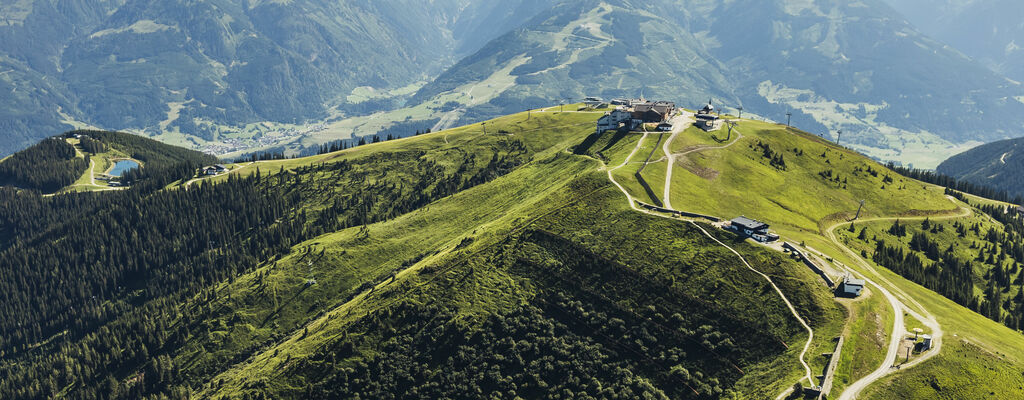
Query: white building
614, 120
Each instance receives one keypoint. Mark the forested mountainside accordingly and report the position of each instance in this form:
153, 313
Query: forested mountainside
193, 67
403, 247
998, 164
59, 161
47, 166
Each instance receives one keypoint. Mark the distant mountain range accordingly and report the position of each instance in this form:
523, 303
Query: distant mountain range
230, 75
998, 164
194, 67
989, 31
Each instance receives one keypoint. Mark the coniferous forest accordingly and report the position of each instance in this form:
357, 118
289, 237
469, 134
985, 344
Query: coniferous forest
952, 269
47, 166
92, 282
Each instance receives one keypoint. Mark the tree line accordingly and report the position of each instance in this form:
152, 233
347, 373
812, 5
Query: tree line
93, 284
924, 262
47, 166
949, 182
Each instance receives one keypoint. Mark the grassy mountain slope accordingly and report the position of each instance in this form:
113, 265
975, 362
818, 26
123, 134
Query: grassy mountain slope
346, 255
540, 250
998, 164
806, 203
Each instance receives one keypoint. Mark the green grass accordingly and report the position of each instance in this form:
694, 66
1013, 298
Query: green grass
797, 199
870, 326
694, 137
540, 132
557, 192
963, 371
800, 204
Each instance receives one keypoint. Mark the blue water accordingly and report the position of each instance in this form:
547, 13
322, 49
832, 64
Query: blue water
121, 166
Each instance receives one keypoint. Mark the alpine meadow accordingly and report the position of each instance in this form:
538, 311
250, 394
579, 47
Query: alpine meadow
466, 199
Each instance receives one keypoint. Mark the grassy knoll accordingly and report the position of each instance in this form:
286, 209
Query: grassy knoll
963, 371
541, 132
543, 252
525, 244
694, 137
796, 197
821, 184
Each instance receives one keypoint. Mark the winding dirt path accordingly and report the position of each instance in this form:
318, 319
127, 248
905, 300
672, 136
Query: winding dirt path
672, 157
810, 332
792, 309
899, 326
679, 124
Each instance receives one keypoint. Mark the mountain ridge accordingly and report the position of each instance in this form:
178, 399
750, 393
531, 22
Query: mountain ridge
998, 164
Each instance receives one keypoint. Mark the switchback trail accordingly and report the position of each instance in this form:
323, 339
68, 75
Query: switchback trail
792, 309
899, 326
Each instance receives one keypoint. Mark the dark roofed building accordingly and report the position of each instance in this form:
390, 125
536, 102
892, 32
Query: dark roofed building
650, 112
706, 118
215, 169
649, 116
708, 109
749, 224
753, 228
850, 287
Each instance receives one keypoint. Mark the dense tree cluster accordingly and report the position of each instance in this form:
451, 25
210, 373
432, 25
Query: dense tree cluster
775, 159
954, 184
1000, 252
523, 354
93, 283
947, 276
90, 145
557, 348
48, 166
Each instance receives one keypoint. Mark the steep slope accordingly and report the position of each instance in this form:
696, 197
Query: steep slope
271, 267
987, 30
998, 164
206, 69
809, 190
855, 67
609, 49
32, 35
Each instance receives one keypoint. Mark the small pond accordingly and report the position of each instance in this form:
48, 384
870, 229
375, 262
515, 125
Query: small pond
121, 166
